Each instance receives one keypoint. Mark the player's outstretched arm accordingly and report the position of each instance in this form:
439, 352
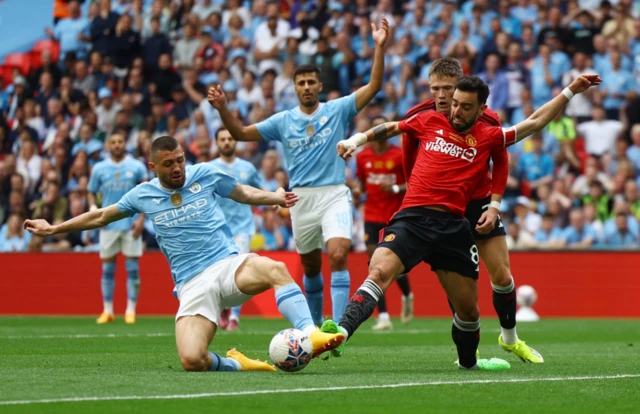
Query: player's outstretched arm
87, 221
540, 118
217, 99
365, 94
346, 147
246, 194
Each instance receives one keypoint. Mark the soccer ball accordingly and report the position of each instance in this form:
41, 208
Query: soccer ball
526, 296
290, 350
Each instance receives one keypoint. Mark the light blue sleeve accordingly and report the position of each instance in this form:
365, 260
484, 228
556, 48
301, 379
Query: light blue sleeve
547, 166
94, 181
590, 233
346, 107
128, 202
270, 128
567, 235
57, 31
223, 184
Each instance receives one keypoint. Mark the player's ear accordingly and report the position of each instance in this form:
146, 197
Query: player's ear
481, 110
152, 167
320, 86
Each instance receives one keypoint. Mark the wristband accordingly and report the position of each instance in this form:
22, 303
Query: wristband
93, 207
358, 139
395, 189
495, 204
567, 92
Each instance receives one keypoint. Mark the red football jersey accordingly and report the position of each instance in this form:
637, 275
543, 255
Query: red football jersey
373, 169
449, 165
500, 158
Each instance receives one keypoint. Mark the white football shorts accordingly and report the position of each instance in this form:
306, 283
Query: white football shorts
322, 213
213, 290
113, 242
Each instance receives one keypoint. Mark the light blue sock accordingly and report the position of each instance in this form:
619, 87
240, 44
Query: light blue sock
340, 284
313, 287
219, 363
235, 313
293, 305
108, 281
133, 279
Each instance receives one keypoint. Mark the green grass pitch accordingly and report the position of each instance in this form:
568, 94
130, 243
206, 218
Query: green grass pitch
591, 366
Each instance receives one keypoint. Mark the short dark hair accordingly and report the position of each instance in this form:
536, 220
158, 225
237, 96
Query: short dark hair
446, 66
474, 84
163, 143
218, 131
306, 69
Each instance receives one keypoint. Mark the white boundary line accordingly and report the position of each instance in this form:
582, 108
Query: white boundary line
305, 390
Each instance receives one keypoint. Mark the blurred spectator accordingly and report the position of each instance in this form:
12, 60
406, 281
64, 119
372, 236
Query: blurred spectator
13, 237
518, 238
621, 237
103, 28
578, 234
580, 106
599, 199
600, 134
536, 167
71, 32
549, 236
498, 83
525, 216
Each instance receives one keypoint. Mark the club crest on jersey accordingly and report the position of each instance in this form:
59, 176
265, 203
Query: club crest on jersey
129, 174
176, 199
244, 175
116, 176
323, 120
195, 188
471, 141
390, 164
389, 238
310, 130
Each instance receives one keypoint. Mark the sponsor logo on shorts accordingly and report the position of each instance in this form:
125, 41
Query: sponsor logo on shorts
389, 238
440, 145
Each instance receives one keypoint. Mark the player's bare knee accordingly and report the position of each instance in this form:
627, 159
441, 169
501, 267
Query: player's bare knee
501, 276
380, 276
468, 312
194, 362
338, 258
279, 274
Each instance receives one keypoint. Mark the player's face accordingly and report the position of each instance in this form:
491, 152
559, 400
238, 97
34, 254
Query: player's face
116, 146
169, 167
226, 143
465, 110
442, 88
308, 88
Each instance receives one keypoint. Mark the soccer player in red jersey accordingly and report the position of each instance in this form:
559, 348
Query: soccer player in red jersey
482, 212
379, 170
430, 226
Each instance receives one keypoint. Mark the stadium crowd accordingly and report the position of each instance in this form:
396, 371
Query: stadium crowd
141, 68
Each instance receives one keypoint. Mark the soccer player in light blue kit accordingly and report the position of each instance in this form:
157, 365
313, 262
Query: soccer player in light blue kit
239, 216
309, 134
206, 267
113, 178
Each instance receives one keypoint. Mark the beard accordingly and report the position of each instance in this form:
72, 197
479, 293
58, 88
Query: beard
227, 152
462, 127
309, 104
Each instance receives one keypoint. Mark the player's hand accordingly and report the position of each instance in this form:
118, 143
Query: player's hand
216, 97
38, 227
345, 149
137, 228
584, 82
380, 35
487, 221
289, 199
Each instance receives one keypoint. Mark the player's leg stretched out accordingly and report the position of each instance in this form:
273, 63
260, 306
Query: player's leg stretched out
239, 278
492, 248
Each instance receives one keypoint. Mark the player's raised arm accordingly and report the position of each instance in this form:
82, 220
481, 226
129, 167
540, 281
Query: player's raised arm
365, 94
239, 132
380, 132
87, 221
543, 115
246, 194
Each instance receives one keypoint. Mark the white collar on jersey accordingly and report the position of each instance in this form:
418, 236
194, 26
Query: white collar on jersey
310, 116
172, 191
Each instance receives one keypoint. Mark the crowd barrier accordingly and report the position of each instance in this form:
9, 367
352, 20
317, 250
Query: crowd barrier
569, 284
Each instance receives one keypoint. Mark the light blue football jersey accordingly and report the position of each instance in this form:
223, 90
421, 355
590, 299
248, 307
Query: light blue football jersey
113, 180
190, 226
310, 141
239, 216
